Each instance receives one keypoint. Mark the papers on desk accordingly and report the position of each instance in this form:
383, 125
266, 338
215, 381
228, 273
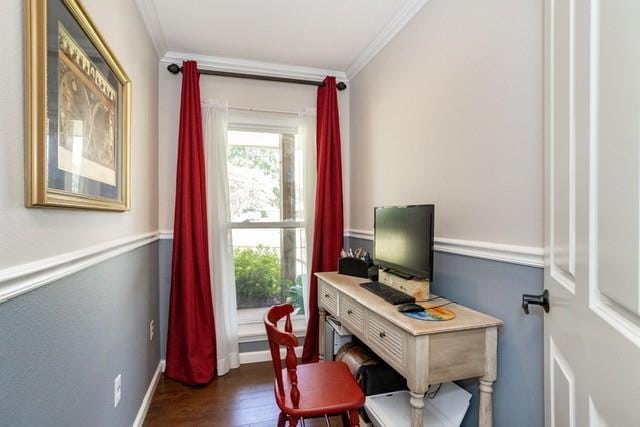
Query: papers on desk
447, 409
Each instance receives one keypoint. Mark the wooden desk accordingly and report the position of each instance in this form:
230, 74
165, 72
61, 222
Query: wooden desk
423, 352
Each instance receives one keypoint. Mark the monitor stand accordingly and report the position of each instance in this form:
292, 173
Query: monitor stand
419, 289
405, 276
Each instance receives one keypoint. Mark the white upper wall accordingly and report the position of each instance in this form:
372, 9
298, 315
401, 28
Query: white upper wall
450, 112
237, 93
31, 234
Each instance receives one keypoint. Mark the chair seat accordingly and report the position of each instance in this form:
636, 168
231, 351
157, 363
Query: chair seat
325, 388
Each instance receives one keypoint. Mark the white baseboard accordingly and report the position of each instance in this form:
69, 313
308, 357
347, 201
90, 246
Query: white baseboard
248, 357
263, 356
144, 407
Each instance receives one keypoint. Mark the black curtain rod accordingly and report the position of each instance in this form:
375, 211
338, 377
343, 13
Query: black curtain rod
175, 69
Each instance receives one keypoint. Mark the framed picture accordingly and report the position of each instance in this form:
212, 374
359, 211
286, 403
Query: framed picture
77, 114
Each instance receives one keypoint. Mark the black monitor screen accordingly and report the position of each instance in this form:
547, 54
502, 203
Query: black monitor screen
403, 239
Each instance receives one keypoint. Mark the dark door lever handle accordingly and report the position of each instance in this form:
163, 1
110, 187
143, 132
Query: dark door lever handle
542, 300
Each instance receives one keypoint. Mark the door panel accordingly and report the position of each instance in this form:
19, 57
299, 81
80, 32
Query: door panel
562, 390
595, 419
616, 87
592, 212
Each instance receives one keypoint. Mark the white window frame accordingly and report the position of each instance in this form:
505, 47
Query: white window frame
253, 330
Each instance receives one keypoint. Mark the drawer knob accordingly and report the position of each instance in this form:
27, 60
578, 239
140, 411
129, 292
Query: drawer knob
349, 312
382, 334
326, 295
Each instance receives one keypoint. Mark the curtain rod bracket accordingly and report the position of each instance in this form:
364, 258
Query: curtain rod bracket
175, 69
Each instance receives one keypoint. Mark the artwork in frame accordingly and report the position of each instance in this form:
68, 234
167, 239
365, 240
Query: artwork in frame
77, 105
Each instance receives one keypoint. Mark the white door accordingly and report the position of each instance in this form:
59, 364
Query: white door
592, 212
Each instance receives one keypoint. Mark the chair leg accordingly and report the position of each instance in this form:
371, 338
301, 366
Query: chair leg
345, 419
282, 418
354, 417
293, 421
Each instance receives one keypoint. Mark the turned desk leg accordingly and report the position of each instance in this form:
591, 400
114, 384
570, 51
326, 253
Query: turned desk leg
322, 315
417, 364
417, 409
485, 417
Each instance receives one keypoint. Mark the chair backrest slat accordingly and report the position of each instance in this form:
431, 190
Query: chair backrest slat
278, 338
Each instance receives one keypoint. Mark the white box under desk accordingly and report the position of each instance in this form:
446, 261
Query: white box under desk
444, 406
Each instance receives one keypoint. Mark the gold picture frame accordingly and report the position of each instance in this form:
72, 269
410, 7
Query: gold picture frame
77, 112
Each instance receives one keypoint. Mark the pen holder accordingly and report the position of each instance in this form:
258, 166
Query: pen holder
353, 267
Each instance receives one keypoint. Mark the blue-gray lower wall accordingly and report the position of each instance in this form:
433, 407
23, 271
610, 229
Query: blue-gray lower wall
62, 345
496, 288
166, 246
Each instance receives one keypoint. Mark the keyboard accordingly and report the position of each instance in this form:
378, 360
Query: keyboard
392, 296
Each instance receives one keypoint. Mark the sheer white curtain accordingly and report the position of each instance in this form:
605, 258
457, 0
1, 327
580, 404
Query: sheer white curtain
214, 116
307, 139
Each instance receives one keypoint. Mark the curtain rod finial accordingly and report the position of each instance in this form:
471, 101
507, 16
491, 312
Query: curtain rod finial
341, 86
174, 68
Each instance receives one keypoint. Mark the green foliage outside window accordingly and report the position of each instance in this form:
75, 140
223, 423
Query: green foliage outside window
295, 296
258, 277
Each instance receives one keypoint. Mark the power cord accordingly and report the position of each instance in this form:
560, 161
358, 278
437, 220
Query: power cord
432, 394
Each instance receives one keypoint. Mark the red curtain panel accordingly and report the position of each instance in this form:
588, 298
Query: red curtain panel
328, 228
191, 344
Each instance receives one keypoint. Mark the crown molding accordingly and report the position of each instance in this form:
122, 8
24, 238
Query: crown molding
248, 66
394, 26
514, 254
152, 23
20, 279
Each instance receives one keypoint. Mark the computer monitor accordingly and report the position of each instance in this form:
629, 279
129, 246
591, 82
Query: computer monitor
403, 240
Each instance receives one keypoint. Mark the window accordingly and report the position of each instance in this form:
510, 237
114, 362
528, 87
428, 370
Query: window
267, 220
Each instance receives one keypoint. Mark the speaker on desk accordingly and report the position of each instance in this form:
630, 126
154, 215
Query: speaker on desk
373, 273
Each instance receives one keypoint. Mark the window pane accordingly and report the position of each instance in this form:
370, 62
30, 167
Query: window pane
254, 163
269, 266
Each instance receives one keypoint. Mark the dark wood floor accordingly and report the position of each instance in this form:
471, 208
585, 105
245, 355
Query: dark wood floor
243, 397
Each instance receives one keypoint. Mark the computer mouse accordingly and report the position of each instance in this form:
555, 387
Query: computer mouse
410, 308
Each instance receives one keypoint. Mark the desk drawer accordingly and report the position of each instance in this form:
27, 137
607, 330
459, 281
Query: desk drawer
352, 314
387, 338
328, 297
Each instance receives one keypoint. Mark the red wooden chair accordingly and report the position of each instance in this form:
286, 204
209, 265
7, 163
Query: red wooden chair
309, 390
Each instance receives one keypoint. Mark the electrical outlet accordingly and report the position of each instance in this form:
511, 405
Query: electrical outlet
152, 329
117, 390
